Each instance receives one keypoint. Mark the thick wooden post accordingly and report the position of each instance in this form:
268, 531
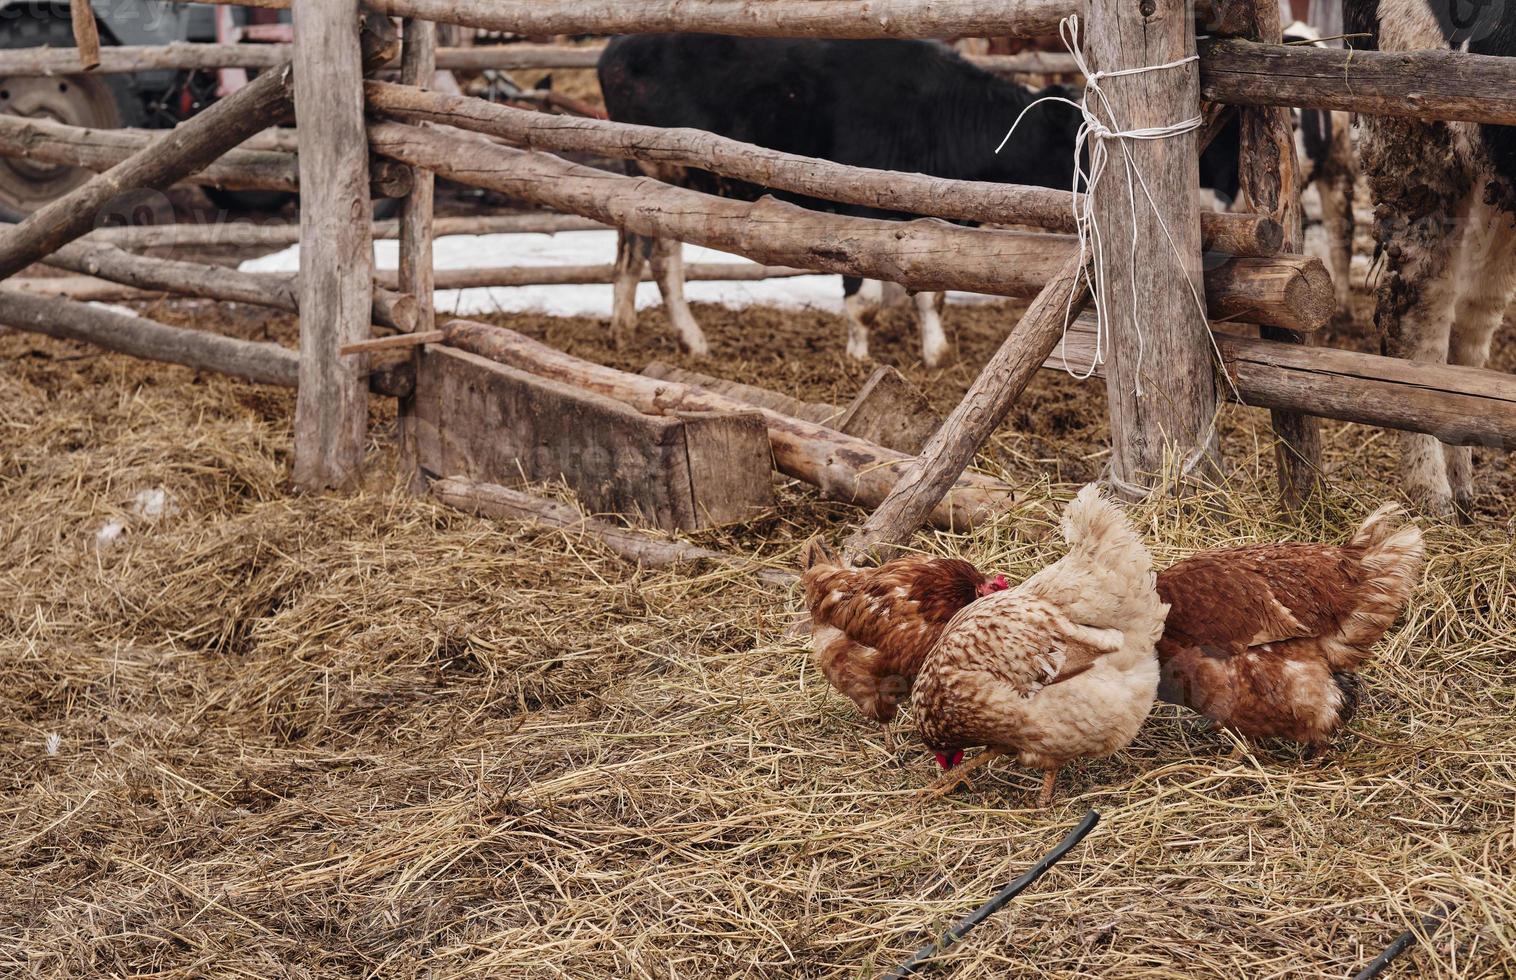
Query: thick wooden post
86, 34
418, 66
336, 246
1269, 183
1170, 423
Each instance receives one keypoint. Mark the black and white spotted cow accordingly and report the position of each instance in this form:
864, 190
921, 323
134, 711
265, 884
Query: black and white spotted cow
912, 106
1445, 197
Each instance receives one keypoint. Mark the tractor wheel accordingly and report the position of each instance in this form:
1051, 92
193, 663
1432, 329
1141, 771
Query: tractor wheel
95, 101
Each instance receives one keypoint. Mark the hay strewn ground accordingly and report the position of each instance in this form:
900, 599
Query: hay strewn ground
363, 735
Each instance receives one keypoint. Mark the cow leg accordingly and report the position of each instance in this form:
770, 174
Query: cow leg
1487, 282
631, 252
1414, 312
668, 269
861, 300
929, 319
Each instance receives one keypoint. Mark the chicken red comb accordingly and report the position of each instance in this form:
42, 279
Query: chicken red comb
999, 584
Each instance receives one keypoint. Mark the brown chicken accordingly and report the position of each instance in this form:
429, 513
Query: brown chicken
1266, 641
1057, 668
873, 626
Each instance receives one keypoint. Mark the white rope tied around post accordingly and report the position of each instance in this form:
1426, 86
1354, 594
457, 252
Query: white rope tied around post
1098, 137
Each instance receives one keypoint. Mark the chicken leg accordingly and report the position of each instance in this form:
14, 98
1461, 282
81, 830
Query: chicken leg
1049, 780
959, 775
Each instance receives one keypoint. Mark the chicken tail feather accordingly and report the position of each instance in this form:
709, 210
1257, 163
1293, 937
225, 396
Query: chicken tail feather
1391, 558
816, 552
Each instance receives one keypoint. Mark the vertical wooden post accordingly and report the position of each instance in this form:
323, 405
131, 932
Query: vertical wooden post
336, 247
1170, 424
1269, 183
86, 34
418, 66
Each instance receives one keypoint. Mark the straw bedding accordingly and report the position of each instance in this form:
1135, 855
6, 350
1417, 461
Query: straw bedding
261, 734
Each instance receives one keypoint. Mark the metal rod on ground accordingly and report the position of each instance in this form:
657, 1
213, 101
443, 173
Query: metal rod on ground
1429, 925
953, 935
950, 450
1268, 183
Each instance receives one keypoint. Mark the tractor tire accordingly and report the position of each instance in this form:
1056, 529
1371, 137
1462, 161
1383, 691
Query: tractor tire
95, 101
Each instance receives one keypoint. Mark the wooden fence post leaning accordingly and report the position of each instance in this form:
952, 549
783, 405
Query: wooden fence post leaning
1269, 183
418, 67
336, 246
1171, 359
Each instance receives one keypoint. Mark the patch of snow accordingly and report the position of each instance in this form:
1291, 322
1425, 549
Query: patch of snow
823, 292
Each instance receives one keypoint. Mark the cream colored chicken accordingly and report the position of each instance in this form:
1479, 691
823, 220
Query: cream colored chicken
1057, 668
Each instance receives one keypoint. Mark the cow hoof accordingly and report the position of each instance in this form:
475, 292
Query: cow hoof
1436, 504
934, 356
858, 352
697, 346
1463, 506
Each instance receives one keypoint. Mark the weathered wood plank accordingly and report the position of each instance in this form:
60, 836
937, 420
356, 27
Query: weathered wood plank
752, 18
968, 200
1153, 254
86, 34
924, 254
891, 411
495, 423
1421, 84
843, 467
336, 253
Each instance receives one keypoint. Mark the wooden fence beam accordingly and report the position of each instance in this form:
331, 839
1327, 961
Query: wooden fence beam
193, 55
417, 274
968, 200
844, 467
247, 233
140, 337
1269, 183
1169, 426
563, 275
923, 254
1449, 85
751, 18
950, 450
336, 251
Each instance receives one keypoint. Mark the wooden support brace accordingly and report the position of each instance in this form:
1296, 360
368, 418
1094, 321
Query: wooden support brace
418, 67
86, 34
1269, 183
982, 409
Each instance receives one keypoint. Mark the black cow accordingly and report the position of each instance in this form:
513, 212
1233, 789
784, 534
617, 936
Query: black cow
912, 106
1446, 206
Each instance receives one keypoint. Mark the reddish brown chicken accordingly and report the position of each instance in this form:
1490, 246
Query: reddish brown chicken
1266, 641
874, 626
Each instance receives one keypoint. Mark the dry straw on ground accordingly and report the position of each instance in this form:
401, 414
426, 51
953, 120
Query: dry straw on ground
266, 735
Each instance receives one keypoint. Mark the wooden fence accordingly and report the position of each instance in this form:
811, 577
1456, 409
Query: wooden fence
359, 137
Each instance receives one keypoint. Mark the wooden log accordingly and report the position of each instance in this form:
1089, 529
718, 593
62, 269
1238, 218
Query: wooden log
247, 233
1153, 254
922, 254
492, 500
1438, 84
417, 275
275, 291
819, 412
85, 289
141, 337
47, 141
949, 452
86, 34
399, 340
336, 251
1459, 405
1269, 183
487, 421
561, 275
890, 411
750, 18
1027, 63
1291, 291
968, 200
844, 467
196, 56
